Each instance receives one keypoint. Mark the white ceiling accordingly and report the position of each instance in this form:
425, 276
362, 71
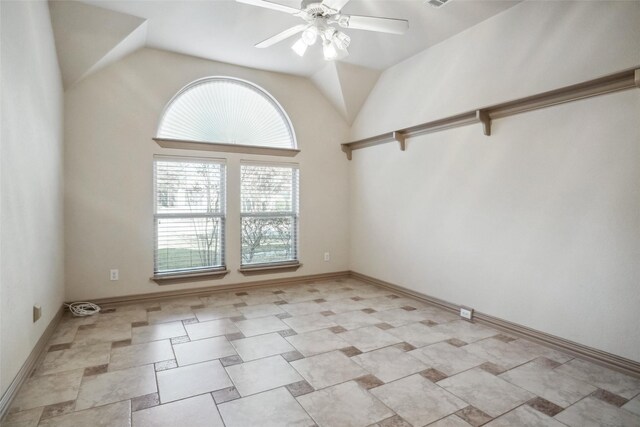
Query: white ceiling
226, 31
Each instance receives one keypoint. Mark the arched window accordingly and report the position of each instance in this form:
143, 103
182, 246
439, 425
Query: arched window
220, 113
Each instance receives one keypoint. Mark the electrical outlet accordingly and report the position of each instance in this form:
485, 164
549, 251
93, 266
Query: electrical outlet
37, 313
114, 275
327, 257
466, 313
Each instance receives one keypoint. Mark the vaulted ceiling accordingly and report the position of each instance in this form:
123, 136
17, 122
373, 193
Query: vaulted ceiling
90, 34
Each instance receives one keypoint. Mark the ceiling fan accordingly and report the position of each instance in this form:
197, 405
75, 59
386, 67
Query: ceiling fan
320, 15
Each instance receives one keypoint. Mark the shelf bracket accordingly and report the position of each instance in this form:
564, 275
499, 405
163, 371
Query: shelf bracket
483, 117
398, 136
347, 150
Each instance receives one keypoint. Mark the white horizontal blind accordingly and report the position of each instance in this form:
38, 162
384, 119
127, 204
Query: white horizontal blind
189, 215
226, 110
269, 213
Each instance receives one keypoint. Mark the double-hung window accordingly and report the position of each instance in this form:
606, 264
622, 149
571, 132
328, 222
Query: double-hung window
269, 214
189, 215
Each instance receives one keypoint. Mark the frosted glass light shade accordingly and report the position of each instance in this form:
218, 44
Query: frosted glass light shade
226, 110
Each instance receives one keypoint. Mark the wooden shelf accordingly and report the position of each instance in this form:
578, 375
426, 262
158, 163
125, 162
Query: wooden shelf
622, 80
225, 148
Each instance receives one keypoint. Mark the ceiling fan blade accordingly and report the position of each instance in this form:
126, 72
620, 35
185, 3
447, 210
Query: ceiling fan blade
282, 36
271, 5
335, 4
372, 23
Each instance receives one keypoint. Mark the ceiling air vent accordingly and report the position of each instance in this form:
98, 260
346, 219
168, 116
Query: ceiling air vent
437, 3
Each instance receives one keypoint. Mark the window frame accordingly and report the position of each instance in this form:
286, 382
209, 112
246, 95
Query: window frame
276, 266
187, 273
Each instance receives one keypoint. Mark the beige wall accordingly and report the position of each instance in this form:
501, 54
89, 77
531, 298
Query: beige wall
31, 251
538, 224
110, 119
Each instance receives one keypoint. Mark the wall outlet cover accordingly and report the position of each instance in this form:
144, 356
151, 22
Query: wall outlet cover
37, 313
466, 313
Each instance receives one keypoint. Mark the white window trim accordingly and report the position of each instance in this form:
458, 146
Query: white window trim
190, 273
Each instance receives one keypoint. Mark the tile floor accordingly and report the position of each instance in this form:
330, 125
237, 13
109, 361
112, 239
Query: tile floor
341, 353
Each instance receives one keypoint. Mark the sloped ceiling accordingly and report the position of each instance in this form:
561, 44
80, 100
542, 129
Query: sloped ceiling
89, 38
346, 86
91, 34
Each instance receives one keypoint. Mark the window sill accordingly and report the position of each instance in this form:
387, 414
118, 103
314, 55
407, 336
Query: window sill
267, 268
225, 148
171, 279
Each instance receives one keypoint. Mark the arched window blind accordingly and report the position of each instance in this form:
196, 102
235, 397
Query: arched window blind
228, 111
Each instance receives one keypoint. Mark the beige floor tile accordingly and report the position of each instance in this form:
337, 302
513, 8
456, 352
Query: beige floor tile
203, 350
256, 299
98, 390
447, 358
156, 332
540, 351
465, 331
354, 320
28, 418
450, 421
114, 415
418, 400
490, 394
75, 358
342, 305
103, 332
418, 335
524, 416
262, 374
263, 325
218, 300
302, 308
382, 303
399, 317
124, 314
199, 411
192, 380
615, 382
328, 369
548, 383
317, 342
594, 412
633, 405
500, 353
344, 405
213, 328
180, 302
389, 363
140, 354
170, 314
273, 408
369, 338
438, 315
260, 310
48, 389
261, 346
64, 333
309, 322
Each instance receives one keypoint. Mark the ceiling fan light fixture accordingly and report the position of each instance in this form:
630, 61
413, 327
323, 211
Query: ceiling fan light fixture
329, 51
310, 35
300, 47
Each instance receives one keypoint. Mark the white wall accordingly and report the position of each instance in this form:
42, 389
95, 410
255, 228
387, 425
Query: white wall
110, 119
31, 261
538, 224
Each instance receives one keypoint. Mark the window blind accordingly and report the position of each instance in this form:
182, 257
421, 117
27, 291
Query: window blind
269, 214
226, 110
189, 215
